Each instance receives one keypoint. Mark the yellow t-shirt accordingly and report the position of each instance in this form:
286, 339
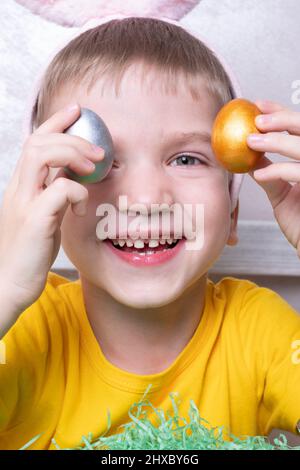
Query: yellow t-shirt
241, 367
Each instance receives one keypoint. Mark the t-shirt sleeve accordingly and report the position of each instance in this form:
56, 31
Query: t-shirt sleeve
25, 358
271, 338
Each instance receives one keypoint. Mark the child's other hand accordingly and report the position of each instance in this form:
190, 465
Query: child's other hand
31, 212
276, 178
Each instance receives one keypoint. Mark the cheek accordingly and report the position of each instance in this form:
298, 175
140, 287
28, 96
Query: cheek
212, 195
217, 213
212, 192
218, 205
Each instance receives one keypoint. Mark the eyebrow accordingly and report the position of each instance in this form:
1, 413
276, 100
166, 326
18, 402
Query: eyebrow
177, 138
184, 137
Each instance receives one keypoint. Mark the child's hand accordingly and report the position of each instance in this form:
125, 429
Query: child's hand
275, 178
31, 213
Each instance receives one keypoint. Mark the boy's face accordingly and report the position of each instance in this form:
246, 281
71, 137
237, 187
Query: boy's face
141, 122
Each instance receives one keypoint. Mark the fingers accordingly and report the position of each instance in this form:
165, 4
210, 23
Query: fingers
285, 144
59, 121
285, 171
274, 185
53, 175
14, 180
31, 170
38, 158
284, 120
82, 144
35, 166
274, 178
57, 197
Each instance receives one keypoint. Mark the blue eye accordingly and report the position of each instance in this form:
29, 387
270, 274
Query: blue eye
186, 158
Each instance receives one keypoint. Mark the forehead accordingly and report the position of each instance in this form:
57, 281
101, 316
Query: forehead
148, 79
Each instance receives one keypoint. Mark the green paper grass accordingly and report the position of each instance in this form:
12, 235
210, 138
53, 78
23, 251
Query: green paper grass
141, 434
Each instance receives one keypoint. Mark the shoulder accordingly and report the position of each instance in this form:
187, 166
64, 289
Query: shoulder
51, 299
258, 317
264, 324
252, 303
53, 296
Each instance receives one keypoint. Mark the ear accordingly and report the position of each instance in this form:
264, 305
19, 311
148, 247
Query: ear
233, 236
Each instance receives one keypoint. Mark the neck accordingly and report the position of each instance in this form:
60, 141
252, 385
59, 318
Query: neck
143, 341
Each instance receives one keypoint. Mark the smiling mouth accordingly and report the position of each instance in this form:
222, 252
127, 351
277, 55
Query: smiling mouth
146, 249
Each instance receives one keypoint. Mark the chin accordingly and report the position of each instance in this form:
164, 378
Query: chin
141, 298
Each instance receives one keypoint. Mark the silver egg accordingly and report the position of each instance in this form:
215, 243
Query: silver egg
91, 127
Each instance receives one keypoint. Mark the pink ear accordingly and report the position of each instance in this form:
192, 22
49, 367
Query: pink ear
74, 13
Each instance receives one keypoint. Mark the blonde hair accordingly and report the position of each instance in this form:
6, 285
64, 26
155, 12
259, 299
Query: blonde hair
109, 49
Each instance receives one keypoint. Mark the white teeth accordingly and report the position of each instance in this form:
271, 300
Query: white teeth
138, 244
141, 243
153, 243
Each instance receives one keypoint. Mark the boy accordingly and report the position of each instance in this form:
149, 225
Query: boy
137, 315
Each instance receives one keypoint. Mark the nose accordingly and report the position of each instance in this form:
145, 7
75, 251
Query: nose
146, 184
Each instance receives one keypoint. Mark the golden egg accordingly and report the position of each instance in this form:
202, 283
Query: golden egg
233, 123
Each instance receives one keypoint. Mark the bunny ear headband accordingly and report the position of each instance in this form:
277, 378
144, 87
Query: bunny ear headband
237, 178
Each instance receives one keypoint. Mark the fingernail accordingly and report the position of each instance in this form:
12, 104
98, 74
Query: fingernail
256, 138
263, 119
89, 164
